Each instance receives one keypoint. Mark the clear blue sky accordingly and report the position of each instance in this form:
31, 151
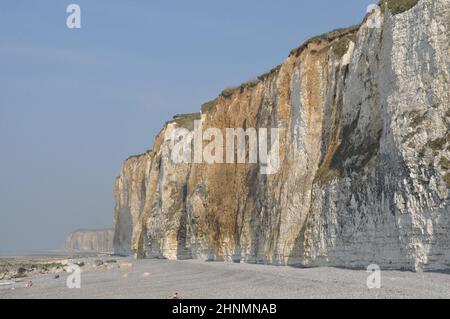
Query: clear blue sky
75, 103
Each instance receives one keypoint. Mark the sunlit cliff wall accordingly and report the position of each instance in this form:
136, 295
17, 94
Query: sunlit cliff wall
364, 152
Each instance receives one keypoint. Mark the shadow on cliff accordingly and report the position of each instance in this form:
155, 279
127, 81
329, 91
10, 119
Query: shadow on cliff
122, 233
183, 252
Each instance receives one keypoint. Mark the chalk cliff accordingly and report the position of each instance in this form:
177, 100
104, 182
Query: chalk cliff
364, 150
91, 240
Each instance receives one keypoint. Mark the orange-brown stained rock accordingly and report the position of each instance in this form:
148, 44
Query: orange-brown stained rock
347, 192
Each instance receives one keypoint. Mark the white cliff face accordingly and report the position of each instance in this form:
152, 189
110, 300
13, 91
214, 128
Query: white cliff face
91, 241
393, 210
130, 192
364, 159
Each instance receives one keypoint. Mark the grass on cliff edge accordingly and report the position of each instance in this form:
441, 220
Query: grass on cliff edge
400, 6
186, 120
228, 92
340, 48
209, 106
329, 36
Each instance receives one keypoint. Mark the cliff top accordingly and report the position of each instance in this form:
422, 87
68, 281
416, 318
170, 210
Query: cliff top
186, 120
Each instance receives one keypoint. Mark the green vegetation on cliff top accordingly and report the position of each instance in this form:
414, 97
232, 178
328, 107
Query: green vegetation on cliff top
400, 6
339, 37
186, 120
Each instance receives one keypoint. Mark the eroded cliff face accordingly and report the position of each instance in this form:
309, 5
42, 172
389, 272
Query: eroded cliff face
364, 153
100, 240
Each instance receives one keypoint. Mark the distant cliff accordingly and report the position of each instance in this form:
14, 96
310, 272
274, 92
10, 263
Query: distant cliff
364, 175
91, 240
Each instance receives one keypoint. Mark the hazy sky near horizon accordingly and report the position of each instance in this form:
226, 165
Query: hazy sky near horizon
75, 103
